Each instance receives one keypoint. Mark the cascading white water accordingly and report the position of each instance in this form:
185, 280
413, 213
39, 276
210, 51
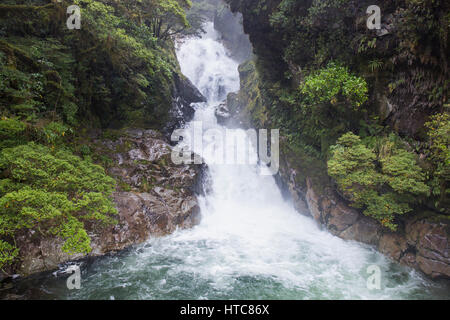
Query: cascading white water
251, 243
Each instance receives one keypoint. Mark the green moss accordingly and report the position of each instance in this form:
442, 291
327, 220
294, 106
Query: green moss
124, 186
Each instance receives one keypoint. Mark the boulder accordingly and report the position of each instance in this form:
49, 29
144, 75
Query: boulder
222, 114
432, 244
341, 217
184, 95
186, 90
364, 230
393, 245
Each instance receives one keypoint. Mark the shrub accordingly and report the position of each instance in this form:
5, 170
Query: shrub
383, 182
54, 133
439, 141
7, 253
329, 84
11, 132
53, 193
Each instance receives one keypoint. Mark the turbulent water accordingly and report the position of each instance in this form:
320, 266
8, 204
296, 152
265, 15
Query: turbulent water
250, 244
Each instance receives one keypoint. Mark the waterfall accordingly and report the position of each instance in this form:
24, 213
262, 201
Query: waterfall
251, 243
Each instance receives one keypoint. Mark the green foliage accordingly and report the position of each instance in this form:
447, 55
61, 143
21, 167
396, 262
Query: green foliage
39, 166
403, 174
375, 65
333, 82
75, 236
439, 135
383, 207
384, 180
319, 8
7, 253
55, 132
11, 132
164, 18
116, 70
353, 163
37, 79
197, 16
118, 65
54, 193
439, 141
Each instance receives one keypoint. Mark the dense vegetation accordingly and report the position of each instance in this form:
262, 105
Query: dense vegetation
363, 111
382, 178
368, 107
55, 85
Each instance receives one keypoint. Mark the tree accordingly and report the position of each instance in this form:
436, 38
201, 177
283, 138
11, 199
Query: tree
384, 182
165, 18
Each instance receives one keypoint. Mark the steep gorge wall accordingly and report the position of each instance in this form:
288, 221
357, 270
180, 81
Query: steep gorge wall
422, 239
233, 37
89, 112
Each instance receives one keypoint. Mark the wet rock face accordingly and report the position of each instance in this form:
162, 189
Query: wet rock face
187, 91
222, 114
235, 40
184, 95
143, 161
154, 198
340, 219
157, 193
421, 242
393, 245
432, 245
424, 244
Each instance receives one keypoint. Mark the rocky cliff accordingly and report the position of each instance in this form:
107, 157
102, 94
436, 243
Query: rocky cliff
269, 97
233, 37
422, 241
67, 165
154, 197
